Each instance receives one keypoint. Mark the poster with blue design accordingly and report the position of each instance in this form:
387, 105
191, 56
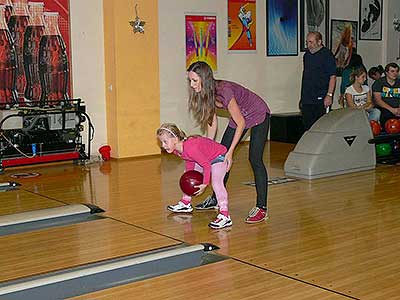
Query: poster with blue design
282, 27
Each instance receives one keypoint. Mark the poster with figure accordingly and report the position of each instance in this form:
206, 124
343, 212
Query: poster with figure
282, 27
370, 19
314, 16
201, 39
343, 42
241, 24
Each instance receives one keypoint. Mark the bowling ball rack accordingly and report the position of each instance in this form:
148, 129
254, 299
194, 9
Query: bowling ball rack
37, 134
394, 157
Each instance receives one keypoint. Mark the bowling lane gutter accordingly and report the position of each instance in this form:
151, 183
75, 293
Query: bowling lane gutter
21, 286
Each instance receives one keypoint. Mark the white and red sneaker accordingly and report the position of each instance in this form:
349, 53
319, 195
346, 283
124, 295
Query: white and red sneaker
221, 222
257, 215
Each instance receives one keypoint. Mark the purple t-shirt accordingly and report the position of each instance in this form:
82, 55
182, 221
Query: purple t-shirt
252, 107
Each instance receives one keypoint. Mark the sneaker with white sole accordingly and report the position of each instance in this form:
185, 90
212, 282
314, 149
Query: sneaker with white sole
221, 222
257, 215
209, 203
180, 207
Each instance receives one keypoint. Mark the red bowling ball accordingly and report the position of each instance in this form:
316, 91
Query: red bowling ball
376, 128
392, 126
189, 180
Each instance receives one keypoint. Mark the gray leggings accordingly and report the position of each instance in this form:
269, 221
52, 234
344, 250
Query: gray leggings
258, 138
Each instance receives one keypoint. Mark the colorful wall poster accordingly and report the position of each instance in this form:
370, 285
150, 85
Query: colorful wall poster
201, 39
282, 38
241, 24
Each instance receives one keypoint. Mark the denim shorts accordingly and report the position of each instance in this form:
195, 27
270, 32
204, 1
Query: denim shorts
218, 159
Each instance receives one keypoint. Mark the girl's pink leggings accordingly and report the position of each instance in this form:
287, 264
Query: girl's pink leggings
218, 171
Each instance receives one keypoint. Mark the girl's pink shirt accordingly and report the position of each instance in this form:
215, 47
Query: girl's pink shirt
203, 151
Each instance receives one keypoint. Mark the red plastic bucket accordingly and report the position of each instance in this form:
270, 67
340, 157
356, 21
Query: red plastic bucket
105, 152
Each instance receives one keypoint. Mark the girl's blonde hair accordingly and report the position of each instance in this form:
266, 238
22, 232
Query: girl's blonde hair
172, 130
357, 73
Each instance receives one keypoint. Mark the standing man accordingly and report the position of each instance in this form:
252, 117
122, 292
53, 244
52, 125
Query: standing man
387, 93
319, 80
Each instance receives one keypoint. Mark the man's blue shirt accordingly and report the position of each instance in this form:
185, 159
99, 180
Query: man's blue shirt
317, 70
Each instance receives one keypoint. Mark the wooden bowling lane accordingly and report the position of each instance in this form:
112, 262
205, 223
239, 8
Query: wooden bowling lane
134, 179
64, 181
227, 279
52, 249
17, 201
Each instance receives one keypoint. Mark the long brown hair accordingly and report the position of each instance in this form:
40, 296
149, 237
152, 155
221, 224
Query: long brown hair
202, 104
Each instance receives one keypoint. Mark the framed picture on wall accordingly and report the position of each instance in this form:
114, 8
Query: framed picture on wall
343, 42
314, 16
370, 19
242, 25
201, 39
282, 28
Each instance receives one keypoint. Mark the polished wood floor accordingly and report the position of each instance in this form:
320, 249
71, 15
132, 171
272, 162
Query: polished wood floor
330, 238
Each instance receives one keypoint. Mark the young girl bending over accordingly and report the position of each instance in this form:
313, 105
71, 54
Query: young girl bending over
358, 95
203, 155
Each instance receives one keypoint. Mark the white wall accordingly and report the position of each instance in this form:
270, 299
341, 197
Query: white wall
276, 79
87, 44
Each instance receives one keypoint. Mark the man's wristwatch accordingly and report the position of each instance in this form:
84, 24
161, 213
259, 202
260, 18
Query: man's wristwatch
329, 94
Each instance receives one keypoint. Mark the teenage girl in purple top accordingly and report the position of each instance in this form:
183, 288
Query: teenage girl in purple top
248, 111
204, 155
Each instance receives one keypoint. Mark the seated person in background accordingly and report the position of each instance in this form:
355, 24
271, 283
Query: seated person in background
386, 91
355, 63
375, 73
358, 94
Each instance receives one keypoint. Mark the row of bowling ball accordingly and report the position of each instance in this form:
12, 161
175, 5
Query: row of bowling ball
386, 149
392, 126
